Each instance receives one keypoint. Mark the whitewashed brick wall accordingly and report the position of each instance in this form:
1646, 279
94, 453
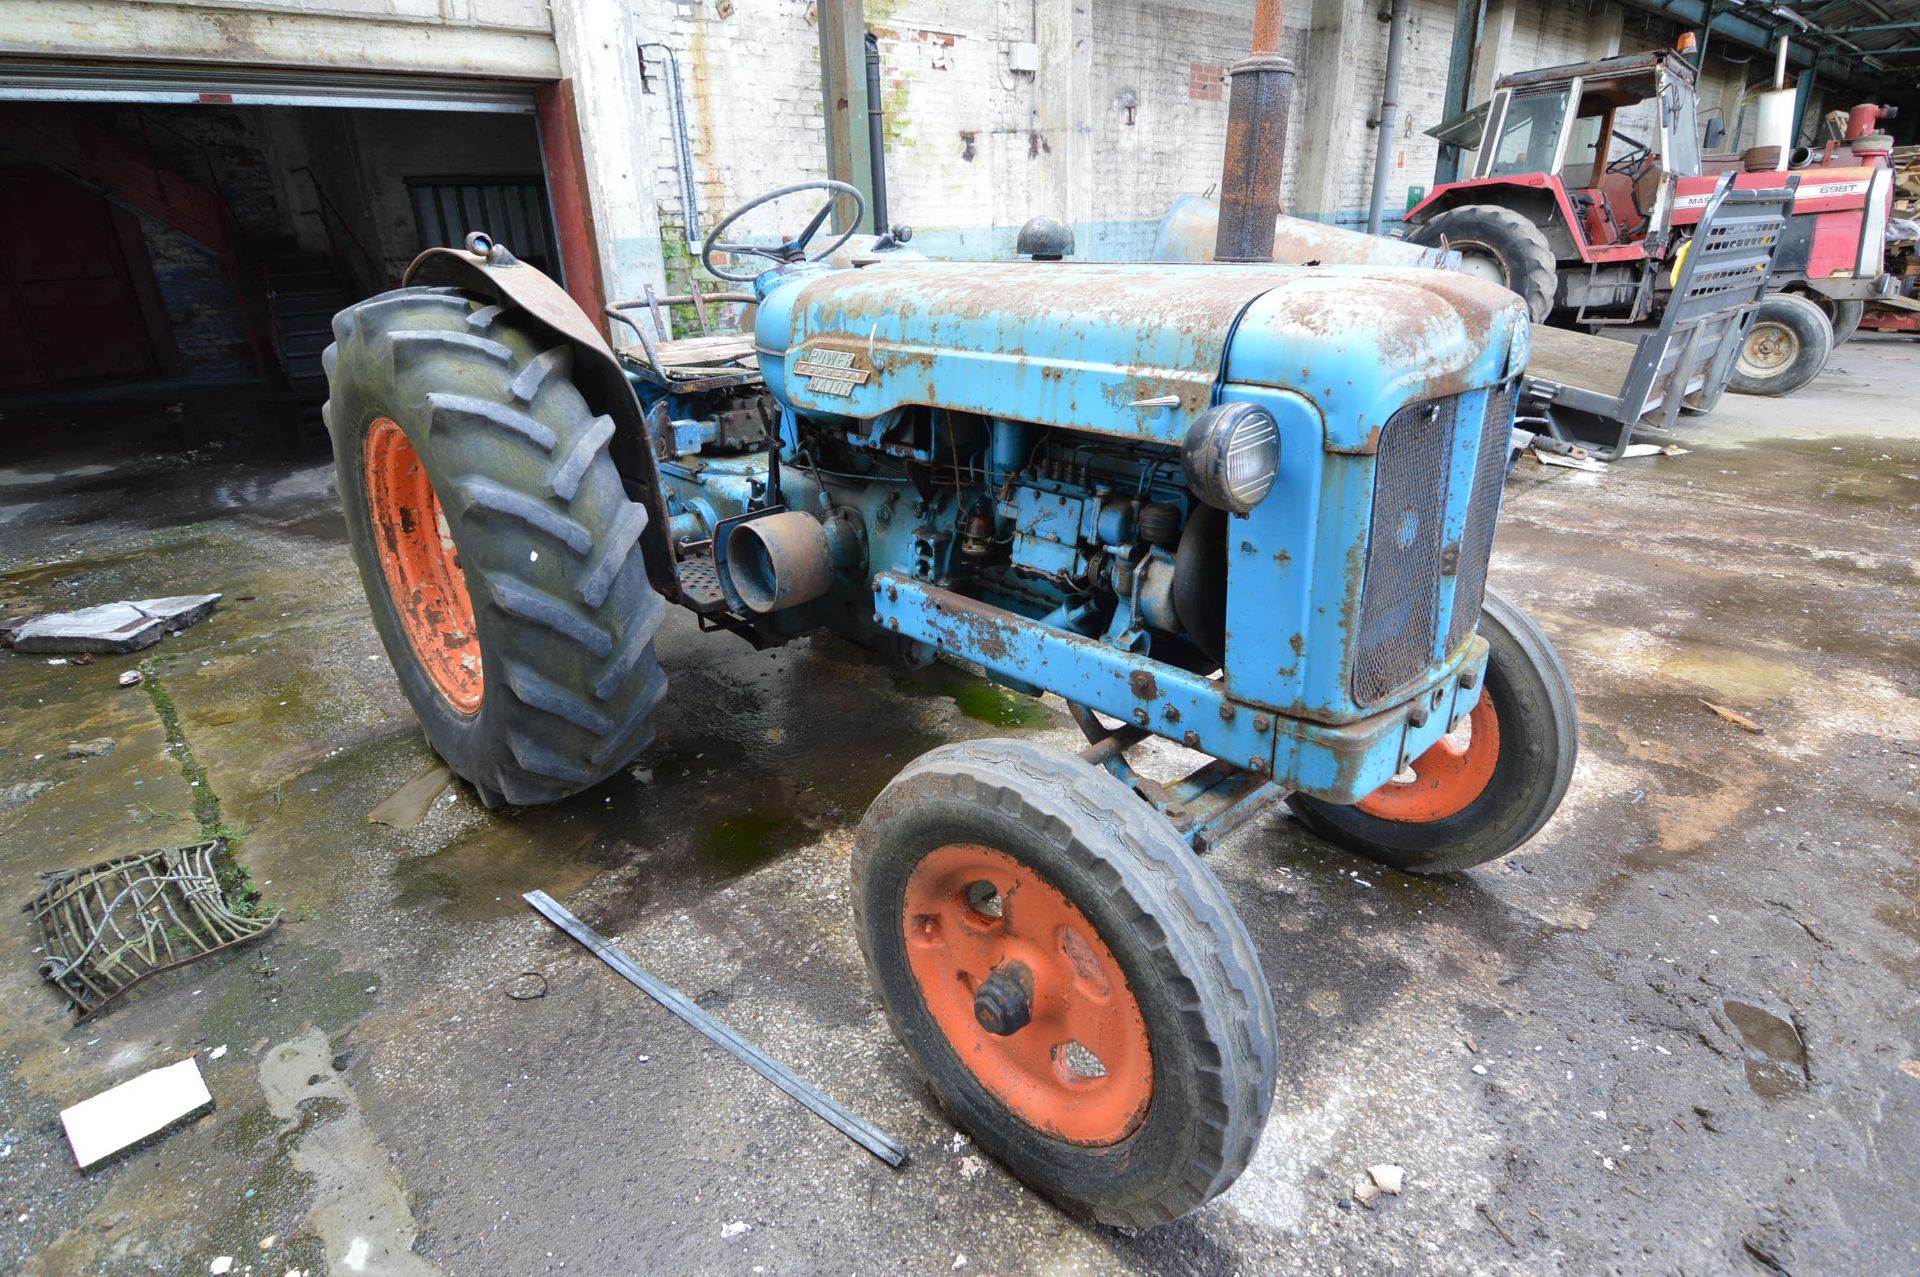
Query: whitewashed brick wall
969, 157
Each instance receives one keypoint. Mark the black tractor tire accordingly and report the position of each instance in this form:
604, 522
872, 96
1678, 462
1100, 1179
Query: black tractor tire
1515, 246
540, 528
1179, 949
1539, 734
1787, 344
1843, 316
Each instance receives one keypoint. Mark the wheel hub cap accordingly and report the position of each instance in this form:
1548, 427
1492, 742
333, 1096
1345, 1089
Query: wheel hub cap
1026, 993
1770, 347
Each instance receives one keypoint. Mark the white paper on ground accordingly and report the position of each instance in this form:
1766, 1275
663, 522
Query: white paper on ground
1569, 463
110, 1121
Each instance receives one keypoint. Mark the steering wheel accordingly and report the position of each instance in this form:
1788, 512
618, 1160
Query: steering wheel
1634, 163
791, 250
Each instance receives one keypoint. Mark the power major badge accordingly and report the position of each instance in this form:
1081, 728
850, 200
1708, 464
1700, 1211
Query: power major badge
831, 372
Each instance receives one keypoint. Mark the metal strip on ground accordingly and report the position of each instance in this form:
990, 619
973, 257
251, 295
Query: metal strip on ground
854, 1128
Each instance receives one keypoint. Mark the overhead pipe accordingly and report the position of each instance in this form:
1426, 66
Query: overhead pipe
1256, 148
1389, 108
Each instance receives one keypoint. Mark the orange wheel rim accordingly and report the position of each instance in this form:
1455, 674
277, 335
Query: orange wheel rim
422, 566
1080, 1069
1447, 778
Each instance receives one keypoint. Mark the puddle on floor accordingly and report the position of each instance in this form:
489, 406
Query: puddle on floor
1775, 1056
978, 698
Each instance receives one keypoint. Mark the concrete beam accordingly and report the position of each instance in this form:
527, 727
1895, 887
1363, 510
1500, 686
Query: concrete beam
1063, 112
599, 57
1604, 30
1330, 114
258, 37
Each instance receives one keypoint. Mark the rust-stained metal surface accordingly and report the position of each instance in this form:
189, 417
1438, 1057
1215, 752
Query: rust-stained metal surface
1339, 761
1256, 146
1132, 351
1188, 230
1080, 345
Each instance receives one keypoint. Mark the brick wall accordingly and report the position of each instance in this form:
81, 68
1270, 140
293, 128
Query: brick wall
754, 116
199, 302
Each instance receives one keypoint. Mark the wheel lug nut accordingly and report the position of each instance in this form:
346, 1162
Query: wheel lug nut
1003, 1004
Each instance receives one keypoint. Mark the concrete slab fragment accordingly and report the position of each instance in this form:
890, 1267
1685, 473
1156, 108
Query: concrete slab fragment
135, 1110
114, 627
178, 611
110, 627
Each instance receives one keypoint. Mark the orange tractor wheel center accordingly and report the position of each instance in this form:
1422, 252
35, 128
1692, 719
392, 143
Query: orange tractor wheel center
1447, 778
422, 567
1027, 994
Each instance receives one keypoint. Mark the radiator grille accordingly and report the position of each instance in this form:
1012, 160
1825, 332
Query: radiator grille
1397, 622
1476, 544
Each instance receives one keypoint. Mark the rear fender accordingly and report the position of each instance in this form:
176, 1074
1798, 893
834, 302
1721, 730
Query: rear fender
498, 275
1539, 199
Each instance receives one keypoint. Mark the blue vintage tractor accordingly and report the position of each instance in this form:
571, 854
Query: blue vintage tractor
1246, 508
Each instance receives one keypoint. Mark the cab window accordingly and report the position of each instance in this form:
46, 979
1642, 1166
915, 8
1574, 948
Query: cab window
1529, 134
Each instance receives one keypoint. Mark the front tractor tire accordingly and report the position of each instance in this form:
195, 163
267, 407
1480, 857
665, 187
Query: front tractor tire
1071, 979
1786, 346
495, 540
1499, 245
1468, 802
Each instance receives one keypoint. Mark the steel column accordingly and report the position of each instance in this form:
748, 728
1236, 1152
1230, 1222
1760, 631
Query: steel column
1389, 104
1468, 17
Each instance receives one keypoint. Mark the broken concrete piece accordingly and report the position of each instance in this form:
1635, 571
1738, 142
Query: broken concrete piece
99, 747
114, 627
1389, 1178
1365, 1192
135, 1110
14, 795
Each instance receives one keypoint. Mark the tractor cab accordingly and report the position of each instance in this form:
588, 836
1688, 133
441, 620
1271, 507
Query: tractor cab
1604, 140
1578, 186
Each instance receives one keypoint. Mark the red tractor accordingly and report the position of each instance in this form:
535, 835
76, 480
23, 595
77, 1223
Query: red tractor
1587, 183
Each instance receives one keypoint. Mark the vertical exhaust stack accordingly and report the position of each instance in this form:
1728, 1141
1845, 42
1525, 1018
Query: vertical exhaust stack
1256, 143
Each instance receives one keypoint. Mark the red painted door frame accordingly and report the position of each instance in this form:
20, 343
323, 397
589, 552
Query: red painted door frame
567, 187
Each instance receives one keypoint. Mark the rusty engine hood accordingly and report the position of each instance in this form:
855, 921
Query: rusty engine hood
1125, 349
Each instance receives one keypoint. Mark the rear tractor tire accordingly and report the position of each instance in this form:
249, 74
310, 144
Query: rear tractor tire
1468, 803
1843, 316
1500, 245
1786, 346
1072, 980
495, 540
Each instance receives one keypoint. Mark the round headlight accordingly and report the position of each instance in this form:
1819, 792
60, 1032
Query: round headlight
1232, 456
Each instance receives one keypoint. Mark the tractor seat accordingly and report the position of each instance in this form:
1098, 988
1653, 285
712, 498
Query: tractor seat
1622, 197
710, 361
697, 358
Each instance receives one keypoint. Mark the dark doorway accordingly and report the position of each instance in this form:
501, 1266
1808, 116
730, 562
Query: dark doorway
512, 210
78, 301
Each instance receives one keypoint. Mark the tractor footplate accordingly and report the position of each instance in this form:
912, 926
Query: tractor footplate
700, 584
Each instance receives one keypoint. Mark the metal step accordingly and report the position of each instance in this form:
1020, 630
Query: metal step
700, 584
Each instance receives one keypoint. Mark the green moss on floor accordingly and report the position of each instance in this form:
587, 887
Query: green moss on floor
235, 884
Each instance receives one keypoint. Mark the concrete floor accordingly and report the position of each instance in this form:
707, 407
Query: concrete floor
1577, 1054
